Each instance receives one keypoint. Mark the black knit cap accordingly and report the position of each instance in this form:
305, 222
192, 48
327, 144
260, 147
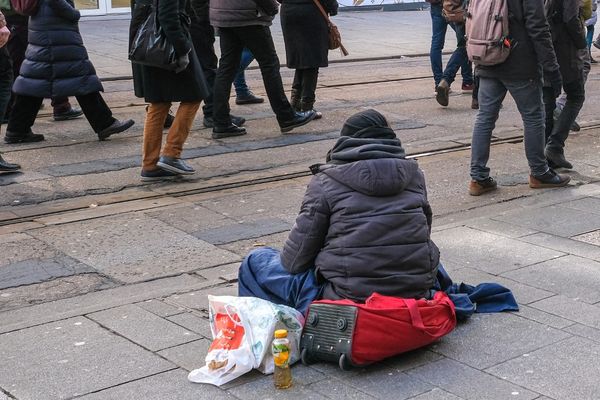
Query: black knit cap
368, 124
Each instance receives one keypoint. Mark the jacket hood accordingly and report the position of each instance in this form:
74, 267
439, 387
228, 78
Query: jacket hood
376, 177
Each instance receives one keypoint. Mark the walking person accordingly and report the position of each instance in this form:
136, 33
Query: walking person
570, 46
245, 23
444, 77
520, 76
306, 37
243, 94
590, 24
6, 78
161, 87
57, 64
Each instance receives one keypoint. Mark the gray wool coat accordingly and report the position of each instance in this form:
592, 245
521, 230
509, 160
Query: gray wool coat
365, 227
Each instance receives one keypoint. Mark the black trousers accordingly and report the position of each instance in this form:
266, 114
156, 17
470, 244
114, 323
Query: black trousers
304, 87
258, 39
203, 38
6, 79
26, 108
557, 134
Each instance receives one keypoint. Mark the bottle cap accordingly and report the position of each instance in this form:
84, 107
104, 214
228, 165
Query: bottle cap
280, 333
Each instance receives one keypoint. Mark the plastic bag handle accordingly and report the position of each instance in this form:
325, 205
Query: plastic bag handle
227, 307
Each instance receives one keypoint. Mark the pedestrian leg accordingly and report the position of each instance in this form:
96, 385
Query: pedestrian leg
96, 111
153, 131
179, 131
231, 53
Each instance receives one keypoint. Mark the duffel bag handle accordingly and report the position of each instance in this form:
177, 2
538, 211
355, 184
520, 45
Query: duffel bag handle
415, 314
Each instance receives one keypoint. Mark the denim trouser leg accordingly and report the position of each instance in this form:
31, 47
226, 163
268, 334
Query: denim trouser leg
438, 37
262, 275
575, 97
459, 58
491, 94
241, 88
528, 97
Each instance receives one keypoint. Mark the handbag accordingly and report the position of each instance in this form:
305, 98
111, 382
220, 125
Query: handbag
150, 45
335, 38
355, 334
25, 7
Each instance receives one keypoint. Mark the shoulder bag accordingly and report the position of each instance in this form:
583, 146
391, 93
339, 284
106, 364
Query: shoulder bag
150, 45
335, 38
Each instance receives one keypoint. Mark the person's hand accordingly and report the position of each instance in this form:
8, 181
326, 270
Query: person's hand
4, 35
555, 80
182, 63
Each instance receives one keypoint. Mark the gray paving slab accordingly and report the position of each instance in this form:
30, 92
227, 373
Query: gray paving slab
188, 356
571, 246
437, 394
566, 370
488, 339
17, 247
543, 317
190, 218
587, 204
523, 293
487, 252
499, 228
160, 308
590, 237
245, 230
33, 271
132, 247
384, 383
219, 273
143, 327
195, 323
167, 385
584, 331
469, 383
570, 309
198, 300
336, 389
412, 359
554, 220
243, 247
70, 358
262, 388
572, 276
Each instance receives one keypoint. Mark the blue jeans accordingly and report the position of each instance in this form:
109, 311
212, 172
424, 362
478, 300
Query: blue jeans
459, 58
590, 36
241, 88
528, 96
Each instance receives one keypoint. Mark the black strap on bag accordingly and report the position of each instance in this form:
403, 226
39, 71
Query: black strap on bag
150, 45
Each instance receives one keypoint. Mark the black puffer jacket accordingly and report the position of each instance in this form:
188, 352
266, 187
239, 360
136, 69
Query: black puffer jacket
237, 13
365, 225
56, 62
532, 48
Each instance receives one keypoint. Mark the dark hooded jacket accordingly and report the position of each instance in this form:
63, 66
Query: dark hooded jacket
56, 62
365, 222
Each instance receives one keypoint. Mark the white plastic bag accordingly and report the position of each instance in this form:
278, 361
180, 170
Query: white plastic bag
242, 329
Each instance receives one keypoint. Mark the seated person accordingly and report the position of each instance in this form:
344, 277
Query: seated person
364, 227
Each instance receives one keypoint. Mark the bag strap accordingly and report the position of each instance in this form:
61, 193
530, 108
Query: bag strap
415, 314
320, 7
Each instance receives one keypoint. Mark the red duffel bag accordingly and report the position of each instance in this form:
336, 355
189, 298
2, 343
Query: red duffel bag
355, 334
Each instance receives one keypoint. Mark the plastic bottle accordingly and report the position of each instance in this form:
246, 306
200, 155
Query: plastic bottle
281, 357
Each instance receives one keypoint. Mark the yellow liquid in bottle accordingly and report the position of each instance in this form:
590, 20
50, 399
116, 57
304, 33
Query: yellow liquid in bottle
283, 377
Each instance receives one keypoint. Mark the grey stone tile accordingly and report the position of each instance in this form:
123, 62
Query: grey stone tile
191, 218
571, 276
567, 370
133, 248
33, 271
487, 252
584, 331
69, 358
543, 317
242, 231
168, 385
590, 237
412, 359
336, 389
565, 245
198, 300
194, 323
469, 383
263, 388
243, 247
21, 247
304, 375
437, 394
499, 228
188, 356
383, 382
160, 308
488, 339
554, 220
570, 309
219, 273
523, 293
586, 204
143, 327
4, 397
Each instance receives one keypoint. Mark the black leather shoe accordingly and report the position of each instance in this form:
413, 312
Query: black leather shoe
248, 98
8, 167
116, 127
169, 121
557, 160
158, 174
229, 131
208, 122
67, 115
549, 180
175, 165
28, 137
301, 118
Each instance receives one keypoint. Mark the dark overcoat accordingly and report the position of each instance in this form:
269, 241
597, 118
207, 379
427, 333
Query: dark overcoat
305, 32
56, 61
158, 85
